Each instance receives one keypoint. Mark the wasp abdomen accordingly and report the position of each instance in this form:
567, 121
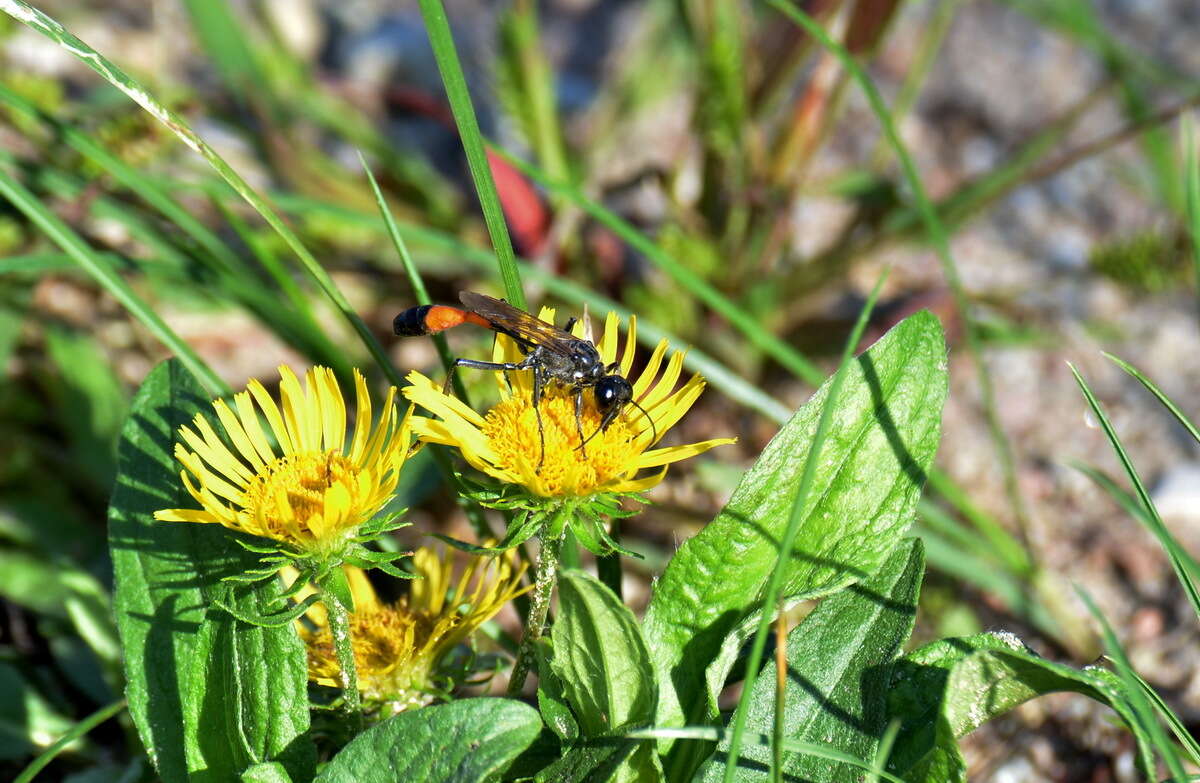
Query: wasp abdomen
431, 319
412, 323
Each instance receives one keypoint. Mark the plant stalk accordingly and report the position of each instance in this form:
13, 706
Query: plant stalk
343, 648
545, 576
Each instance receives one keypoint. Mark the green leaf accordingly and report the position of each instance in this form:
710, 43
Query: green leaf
882, 440
600, 658
269, 772
601, 663
210, 696
468, 740
839, 671
948, 688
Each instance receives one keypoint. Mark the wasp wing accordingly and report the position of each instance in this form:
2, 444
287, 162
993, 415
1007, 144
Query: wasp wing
518, 324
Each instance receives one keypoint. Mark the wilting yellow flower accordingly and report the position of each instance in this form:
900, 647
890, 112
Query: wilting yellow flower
398, 647
312, 491
505, 442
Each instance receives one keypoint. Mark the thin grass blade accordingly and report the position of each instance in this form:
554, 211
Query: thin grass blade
103, 272
78, 730
40, 22
457, 93
1184, 565
1134, 693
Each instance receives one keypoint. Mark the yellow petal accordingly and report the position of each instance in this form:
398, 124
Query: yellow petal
647, 377
185, 515
274, 417
638, 485
291, 400
365, 599
333, 410
665, 456
666, 384
422, 392
241, 440
630, 347
250, 423
208, 480
608, 342
362, 424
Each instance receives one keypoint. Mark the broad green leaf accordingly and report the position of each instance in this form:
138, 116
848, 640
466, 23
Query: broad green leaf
607, 759
552, 701
839, 670
882, 440
268, 772
600, 658
948, 688
603, 667
210, 695
469, 740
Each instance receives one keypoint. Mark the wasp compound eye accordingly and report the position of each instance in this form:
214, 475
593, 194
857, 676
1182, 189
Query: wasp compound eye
612, 391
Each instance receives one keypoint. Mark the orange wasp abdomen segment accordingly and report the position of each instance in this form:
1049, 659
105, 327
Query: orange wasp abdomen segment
431, 319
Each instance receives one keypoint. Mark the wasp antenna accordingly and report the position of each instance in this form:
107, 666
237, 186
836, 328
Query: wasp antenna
653, 429
588, 440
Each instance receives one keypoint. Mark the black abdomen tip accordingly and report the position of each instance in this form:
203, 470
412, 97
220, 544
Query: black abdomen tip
411, 323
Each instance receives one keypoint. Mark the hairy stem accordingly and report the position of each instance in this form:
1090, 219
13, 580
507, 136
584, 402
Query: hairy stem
545, 575
339, 629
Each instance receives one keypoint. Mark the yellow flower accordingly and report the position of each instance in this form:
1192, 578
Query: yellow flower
314, 489
505, 443
398, 647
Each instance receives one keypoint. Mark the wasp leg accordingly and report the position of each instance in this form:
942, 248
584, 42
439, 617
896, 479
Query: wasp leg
476, 364
579, 419
570, 324
539, 381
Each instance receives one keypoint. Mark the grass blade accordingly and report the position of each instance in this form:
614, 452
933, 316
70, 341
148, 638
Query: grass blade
1185, 568
414, 279
35, 19
649, 333
771, 595
716, 734
78, 730
1134, 693
1176, 725
455, 83
774, 347
937, 238
103, 272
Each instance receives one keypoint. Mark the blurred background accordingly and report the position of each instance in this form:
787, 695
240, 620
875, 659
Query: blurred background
706, 165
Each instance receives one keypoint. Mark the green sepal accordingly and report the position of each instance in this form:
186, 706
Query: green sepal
472, 549
276, 620
334, 583
384, 561
374, 528
553, 528
586, 531
269, 547
612, 546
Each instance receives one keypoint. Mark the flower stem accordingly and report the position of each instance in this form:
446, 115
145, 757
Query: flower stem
545, 575
339, 629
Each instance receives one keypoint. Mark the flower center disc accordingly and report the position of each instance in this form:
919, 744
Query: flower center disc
511, 428
303, 479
